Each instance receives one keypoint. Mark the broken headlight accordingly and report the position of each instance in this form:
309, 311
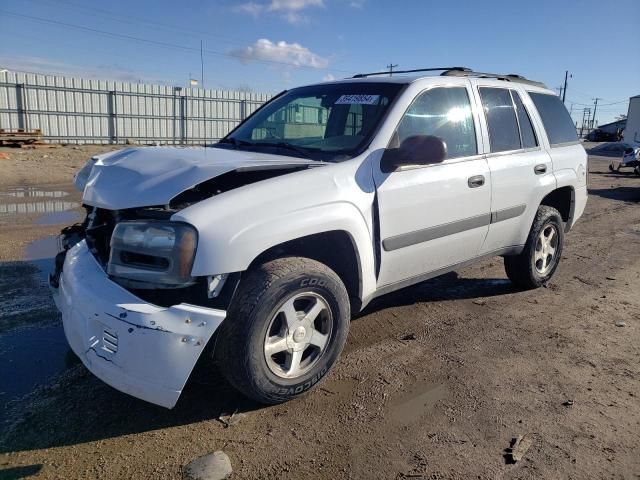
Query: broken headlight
152, 254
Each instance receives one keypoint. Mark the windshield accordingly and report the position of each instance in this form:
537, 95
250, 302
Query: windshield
330, 122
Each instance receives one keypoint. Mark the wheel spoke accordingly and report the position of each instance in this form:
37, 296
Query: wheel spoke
314, 311
318, 339
275, 345
293, 363
290, 314
538, 255
551, 251
552, 233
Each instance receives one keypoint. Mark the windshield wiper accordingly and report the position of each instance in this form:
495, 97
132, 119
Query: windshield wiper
235, 141
284, 145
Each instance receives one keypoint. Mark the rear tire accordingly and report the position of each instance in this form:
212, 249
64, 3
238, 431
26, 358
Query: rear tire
285, 329
541, 255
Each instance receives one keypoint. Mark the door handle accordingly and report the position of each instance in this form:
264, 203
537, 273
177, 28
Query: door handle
540, 169
476, 181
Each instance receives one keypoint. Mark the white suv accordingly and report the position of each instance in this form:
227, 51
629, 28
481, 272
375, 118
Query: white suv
256, 250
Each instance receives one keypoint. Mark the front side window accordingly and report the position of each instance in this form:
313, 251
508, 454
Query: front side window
501, 119
555, 118
329, 122
444, 113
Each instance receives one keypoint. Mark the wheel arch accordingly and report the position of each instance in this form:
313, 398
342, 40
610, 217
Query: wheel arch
563, 200
335, 248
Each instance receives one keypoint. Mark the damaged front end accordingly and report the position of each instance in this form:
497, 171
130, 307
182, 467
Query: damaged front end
131, 309
137, 347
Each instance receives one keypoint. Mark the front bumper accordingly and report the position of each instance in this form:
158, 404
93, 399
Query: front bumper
138, 348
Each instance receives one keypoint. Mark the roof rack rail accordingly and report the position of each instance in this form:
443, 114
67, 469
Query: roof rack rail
510, 77
448, 69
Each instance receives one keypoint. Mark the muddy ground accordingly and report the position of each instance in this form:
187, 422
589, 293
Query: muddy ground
435, 381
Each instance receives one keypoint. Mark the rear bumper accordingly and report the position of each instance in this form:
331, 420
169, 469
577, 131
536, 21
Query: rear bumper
138, 348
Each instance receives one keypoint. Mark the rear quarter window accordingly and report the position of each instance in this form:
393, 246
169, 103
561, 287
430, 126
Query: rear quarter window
555, 118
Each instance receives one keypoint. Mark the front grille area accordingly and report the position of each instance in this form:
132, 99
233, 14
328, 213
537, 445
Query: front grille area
100, 226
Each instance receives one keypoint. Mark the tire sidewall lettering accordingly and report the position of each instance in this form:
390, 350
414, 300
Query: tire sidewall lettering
298, 389
313, 282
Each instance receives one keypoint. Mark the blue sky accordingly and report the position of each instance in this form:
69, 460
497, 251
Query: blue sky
269, 45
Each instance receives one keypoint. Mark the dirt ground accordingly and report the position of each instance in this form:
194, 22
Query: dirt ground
434, 383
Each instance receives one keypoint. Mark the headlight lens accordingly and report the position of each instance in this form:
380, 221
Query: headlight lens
152, 254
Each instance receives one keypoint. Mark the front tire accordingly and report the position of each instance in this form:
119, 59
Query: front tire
285, 329
537, 263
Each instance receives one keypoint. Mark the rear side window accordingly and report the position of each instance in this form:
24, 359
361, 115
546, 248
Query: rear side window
555, 118
526, 129
501, 119
445, 113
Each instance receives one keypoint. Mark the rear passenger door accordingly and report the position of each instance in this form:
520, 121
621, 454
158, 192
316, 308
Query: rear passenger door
521, 170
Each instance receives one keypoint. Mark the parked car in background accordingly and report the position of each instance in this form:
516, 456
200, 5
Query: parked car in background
256, 252
611, 149
601, 136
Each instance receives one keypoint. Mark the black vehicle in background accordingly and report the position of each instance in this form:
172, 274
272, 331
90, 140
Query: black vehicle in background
598, 135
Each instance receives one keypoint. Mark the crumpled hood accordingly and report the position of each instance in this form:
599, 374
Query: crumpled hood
149, 176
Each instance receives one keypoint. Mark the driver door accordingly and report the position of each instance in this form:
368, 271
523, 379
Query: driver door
434, 216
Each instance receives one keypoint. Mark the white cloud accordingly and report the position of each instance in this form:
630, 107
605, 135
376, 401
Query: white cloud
357, 3
293, 5
328, 78
290, 10
281, 52
250, 8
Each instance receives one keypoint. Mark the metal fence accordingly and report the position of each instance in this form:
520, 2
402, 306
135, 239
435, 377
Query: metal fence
76, 110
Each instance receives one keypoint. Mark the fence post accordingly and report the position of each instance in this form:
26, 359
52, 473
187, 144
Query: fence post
111, 111
21, 106
183, 117
243, 109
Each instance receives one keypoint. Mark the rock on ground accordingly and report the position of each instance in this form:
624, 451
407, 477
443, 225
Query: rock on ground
214, 466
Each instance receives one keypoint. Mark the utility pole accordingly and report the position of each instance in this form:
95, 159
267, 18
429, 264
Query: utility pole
586, 113
391, 66
564, 90
201, 65
595, 107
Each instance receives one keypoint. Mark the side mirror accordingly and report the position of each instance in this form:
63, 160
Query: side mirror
415, 150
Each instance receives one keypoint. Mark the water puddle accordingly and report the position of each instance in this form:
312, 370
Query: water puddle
41, 253
28, 358
31, 200
49, 206
412, 405
31, 356
59, 218
33, 192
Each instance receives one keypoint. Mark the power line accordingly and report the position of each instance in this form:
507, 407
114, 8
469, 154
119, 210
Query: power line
120, 17
166, 44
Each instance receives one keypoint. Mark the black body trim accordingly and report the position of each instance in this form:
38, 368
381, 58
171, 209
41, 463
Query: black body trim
459, 226
391, 287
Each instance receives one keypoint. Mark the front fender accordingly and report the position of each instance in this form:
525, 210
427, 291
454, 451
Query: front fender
219, 252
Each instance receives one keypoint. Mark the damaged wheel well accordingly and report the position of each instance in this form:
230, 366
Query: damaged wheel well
335, 249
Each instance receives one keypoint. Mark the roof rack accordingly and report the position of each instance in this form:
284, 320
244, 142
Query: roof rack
460, 72
449, 69
510, 77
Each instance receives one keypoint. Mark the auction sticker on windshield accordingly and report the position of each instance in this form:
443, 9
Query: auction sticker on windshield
358, 99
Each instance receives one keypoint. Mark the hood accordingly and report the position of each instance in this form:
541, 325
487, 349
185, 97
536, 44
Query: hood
150, 176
